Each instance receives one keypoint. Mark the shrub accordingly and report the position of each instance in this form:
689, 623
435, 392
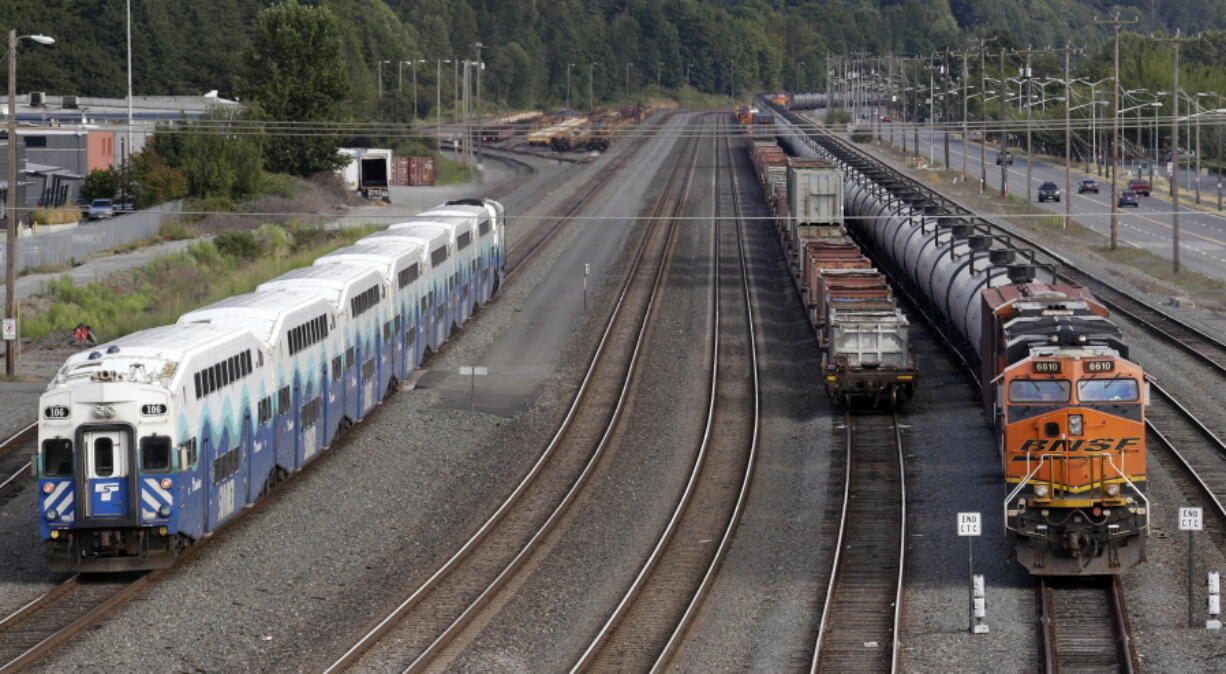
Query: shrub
838, 118
862, 136
100, 184
57, 216
280, 185
239, 244
276, 242
205, 254
173, 230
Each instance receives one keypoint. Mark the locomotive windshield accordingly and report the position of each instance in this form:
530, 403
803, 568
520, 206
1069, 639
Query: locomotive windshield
57, 458
1108, 390
1039, 391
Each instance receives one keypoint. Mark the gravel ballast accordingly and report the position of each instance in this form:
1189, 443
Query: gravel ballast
291, 585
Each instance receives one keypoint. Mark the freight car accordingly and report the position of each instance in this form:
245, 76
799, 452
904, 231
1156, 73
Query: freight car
862, 334
1067, 404
149, 443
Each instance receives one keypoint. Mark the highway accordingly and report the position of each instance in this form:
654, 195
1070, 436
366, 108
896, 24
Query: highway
1202, 242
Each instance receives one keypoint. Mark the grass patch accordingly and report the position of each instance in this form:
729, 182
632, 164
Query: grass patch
448, 171
171, 285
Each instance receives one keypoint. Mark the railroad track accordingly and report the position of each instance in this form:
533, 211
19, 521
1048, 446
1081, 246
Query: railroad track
16, 459
416, 630
1084, 626
862, 614
653, 616
60, 614
536, 240
1194, 447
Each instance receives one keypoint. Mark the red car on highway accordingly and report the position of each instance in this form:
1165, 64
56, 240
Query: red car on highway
1140, 186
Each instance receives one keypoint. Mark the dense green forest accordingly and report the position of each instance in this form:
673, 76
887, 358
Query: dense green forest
615, 46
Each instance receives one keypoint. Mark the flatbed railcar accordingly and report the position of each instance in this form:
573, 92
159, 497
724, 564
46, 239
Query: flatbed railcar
1065, 400
862, 334
150, 442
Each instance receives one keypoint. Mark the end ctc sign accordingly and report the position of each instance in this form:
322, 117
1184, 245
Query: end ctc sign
970, 524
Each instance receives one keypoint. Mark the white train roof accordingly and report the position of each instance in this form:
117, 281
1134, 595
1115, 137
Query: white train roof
155, 352
336, 282
263, 313
433, 233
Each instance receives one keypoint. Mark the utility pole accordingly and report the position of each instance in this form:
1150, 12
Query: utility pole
1004, 133
379, 68
1068, 136
568, 67
10, 248
628, 64
966, 83
982, 43
591, 76
1175, 41
479, 65
1115, 125
1027, 78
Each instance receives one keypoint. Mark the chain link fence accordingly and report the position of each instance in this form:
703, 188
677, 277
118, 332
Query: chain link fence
60, 248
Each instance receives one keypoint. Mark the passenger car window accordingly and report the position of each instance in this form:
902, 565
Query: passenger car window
1108, 390
155, 454
104, 457
57, 458
1039, 391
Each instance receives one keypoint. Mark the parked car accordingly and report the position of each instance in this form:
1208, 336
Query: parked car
1140, 186
1087, 185
1129, 198
100, 209
1049, 192
1004, 158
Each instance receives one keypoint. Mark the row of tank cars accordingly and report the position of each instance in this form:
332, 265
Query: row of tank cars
860, 330
149, 443
1066, 403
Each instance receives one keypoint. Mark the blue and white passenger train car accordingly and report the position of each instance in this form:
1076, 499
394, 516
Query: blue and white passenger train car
150, 442
145, 443
361, 305
400, 263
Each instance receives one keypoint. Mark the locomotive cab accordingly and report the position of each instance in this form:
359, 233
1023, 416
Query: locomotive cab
1074, 460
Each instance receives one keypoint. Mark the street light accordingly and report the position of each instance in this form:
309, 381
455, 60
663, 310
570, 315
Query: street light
438, 93
10, 267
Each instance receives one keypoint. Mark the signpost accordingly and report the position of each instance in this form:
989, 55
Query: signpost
10, 329
473, 372
1191, 520
587, 271
970, 525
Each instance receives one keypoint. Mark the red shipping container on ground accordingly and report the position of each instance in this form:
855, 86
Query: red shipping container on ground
421, 171
400, 170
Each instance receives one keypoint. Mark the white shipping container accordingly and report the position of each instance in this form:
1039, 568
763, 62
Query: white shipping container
815, 192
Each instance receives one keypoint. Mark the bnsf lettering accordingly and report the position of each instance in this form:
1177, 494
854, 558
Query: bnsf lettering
1043, 445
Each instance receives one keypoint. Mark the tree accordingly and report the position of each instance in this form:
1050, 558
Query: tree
100, 184
153, 181
219, 154
295, 71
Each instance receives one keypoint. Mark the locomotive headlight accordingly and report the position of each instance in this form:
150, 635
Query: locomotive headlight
103, 411
1113, 490
51, 514
1041, 490
164, 511
1076, 424
166, 483
48, 487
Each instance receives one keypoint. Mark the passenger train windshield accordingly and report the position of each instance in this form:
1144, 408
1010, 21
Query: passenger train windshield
1039, 391
1108, 390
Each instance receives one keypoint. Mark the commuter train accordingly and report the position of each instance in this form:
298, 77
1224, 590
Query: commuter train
151, 442
1067, 404
862, 334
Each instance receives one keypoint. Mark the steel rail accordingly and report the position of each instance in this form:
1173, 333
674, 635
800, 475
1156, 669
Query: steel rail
389, 621
839, 572
8, 459
700, 468
721, 552
1196, 462
553, 224
1084, 643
